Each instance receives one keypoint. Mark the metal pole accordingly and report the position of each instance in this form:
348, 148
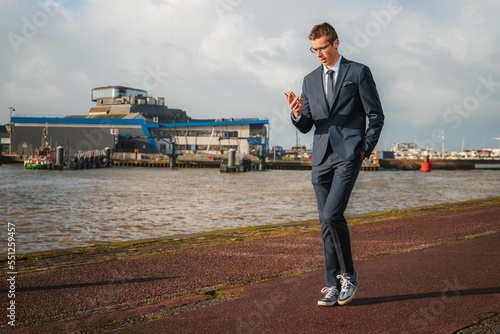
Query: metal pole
10, 129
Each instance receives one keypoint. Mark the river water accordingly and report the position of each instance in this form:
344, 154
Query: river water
62, 209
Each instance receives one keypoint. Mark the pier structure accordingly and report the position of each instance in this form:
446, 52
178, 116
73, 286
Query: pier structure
254, 164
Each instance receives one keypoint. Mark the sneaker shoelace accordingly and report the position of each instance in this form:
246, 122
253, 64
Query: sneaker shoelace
330, 292
345, 281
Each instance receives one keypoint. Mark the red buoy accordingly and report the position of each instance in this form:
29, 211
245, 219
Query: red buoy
425, 166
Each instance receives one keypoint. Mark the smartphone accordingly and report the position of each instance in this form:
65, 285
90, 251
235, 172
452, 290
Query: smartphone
292, 94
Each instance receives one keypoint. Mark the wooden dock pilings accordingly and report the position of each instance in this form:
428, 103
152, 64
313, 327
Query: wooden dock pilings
166, 163
271, 165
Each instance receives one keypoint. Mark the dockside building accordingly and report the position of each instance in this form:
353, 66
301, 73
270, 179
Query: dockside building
128, 120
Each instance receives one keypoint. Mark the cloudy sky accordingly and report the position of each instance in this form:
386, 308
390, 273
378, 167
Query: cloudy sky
435, 62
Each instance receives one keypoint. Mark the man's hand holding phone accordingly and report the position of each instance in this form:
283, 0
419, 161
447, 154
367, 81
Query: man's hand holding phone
295, 103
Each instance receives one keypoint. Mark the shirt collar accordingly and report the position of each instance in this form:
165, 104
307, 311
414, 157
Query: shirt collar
335, 67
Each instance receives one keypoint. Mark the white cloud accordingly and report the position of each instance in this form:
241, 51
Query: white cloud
227, 58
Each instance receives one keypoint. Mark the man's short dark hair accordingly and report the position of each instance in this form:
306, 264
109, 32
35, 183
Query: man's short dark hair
323, 29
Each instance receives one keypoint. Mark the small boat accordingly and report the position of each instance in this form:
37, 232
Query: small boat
44, 158
90, 159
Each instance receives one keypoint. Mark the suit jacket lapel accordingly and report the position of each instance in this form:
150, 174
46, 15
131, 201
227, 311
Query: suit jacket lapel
321, 89
343, 68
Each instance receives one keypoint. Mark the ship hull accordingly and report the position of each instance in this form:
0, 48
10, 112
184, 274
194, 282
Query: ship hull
446, 164
35, 166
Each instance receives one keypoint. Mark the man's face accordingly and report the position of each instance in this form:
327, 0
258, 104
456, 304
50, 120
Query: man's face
326, 52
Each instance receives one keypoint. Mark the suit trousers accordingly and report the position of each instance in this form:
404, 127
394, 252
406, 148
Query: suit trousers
333, 181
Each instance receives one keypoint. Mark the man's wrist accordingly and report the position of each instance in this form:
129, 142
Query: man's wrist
296, 117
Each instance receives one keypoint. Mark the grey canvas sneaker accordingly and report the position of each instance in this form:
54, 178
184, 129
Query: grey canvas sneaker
348, 285
331, 295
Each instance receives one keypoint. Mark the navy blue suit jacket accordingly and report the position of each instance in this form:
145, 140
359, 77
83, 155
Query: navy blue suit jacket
345, 126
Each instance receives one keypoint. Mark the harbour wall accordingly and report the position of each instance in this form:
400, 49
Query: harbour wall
197, 161
271, 165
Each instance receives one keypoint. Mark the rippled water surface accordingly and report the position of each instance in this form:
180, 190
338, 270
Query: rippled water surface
60, 209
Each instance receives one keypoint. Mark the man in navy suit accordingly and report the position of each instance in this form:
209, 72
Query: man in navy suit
340, 100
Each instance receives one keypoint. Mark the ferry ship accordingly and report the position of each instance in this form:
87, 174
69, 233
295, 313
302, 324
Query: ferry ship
409, 157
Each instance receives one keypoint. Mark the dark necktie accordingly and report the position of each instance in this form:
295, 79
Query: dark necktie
329, 88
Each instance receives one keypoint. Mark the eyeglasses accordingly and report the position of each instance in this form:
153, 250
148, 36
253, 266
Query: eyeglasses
321, 48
